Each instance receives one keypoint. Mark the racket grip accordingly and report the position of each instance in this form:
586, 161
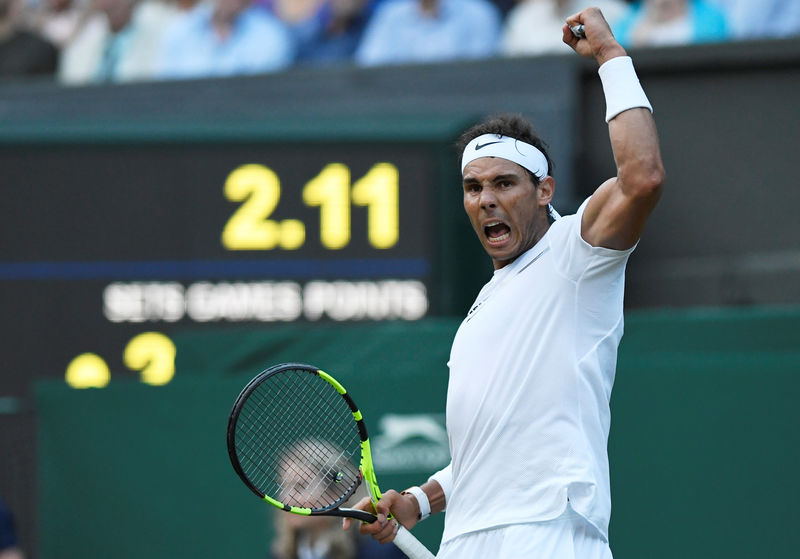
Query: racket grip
410, 545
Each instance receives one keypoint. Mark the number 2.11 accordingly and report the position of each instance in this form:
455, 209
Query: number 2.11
258, 188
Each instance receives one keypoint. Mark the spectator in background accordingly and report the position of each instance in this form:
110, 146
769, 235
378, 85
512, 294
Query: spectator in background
533, 27
671, 22
224, 38
322, 537
119, 43
504, 6
9, 546
59, 20
304, 482
324, 31
755, 19
22, 52
412, 31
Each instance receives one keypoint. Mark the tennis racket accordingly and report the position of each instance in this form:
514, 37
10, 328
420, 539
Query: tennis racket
299, 442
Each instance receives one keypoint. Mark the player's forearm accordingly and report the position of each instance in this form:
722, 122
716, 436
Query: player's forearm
628, 111
634, 142
436, 496
631, 128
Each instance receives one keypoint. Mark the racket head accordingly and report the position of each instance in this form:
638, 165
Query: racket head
296, 439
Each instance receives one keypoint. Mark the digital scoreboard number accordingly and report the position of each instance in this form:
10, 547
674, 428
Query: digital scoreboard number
258, 188
107, 249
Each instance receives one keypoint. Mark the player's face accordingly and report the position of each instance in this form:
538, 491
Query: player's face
507, 212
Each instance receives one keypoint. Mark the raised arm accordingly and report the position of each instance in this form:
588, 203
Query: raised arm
616, 214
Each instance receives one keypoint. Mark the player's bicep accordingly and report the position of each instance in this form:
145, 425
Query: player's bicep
614, 219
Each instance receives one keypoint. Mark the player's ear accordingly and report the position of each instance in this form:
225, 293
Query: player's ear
545, 190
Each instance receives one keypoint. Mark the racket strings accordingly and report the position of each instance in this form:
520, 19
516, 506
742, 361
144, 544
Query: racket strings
297, 441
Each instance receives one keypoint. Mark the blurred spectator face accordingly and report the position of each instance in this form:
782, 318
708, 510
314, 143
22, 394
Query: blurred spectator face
58, 5
347, 7
344, 11
307, 486
10, 10
429, 6
118, 12
227, 10
666, 10
296, 11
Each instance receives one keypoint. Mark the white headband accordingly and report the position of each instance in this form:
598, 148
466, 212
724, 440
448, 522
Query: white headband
496, 145
521, 153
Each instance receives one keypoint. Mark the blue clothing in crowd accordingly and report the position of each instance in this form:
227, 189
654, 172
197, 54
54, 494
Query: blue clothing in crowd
8, 534
750, 19
400, 32
318, 44
191, 48
368, 548
707, 23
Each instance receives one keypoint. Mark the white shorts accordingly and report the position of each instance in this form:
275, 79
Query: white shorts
570, 536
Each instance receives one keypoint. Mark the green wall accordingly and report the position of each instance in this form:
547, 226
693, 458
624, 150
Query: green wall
136, 471
703, 444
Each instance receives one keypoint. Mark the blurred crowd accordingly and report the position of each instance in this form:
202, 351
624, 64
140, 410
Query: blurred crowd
95, 41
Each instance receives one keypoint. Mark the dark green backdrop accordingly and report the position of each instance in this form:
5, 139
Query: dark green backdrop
703, 445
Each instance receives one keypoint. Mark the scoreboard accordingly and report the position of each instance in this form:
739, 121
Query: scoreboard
139, 219
108, 248
132, 214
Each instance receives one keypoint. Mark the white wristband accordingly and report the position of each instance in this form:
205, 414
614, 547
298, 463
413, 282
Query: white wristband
422, 500
621, 87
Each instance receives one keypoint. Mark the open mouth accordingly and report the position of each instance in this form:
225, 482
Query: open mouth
496, 231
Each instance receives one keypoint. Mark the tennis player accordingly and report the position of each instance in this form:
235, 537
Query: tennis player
533, 362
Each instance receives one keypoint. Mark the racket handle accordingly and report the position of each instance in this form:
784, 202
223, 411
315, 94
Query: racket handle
578, 31
410, 545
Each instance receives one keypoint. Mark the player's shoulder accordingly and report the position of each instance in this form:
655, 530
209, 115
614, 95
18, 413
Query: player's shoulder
567, 225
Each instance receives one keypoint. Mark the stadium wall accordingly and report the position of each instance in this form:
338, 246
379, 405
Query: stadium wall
704, 415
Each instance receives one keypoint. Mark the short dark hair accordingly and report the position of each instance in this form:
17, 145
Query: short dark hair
511, 125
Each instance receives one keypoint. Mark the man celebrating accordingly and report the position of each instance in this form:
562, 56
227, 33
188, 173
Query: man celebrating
533, 363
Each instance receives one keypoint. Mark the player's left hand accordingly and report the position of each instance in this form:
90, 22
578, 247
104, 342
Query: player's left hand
401, 507
599, 42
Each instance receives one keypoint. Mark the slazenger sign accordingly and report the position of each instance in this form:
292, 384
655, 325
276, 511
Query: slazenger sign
411, 443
